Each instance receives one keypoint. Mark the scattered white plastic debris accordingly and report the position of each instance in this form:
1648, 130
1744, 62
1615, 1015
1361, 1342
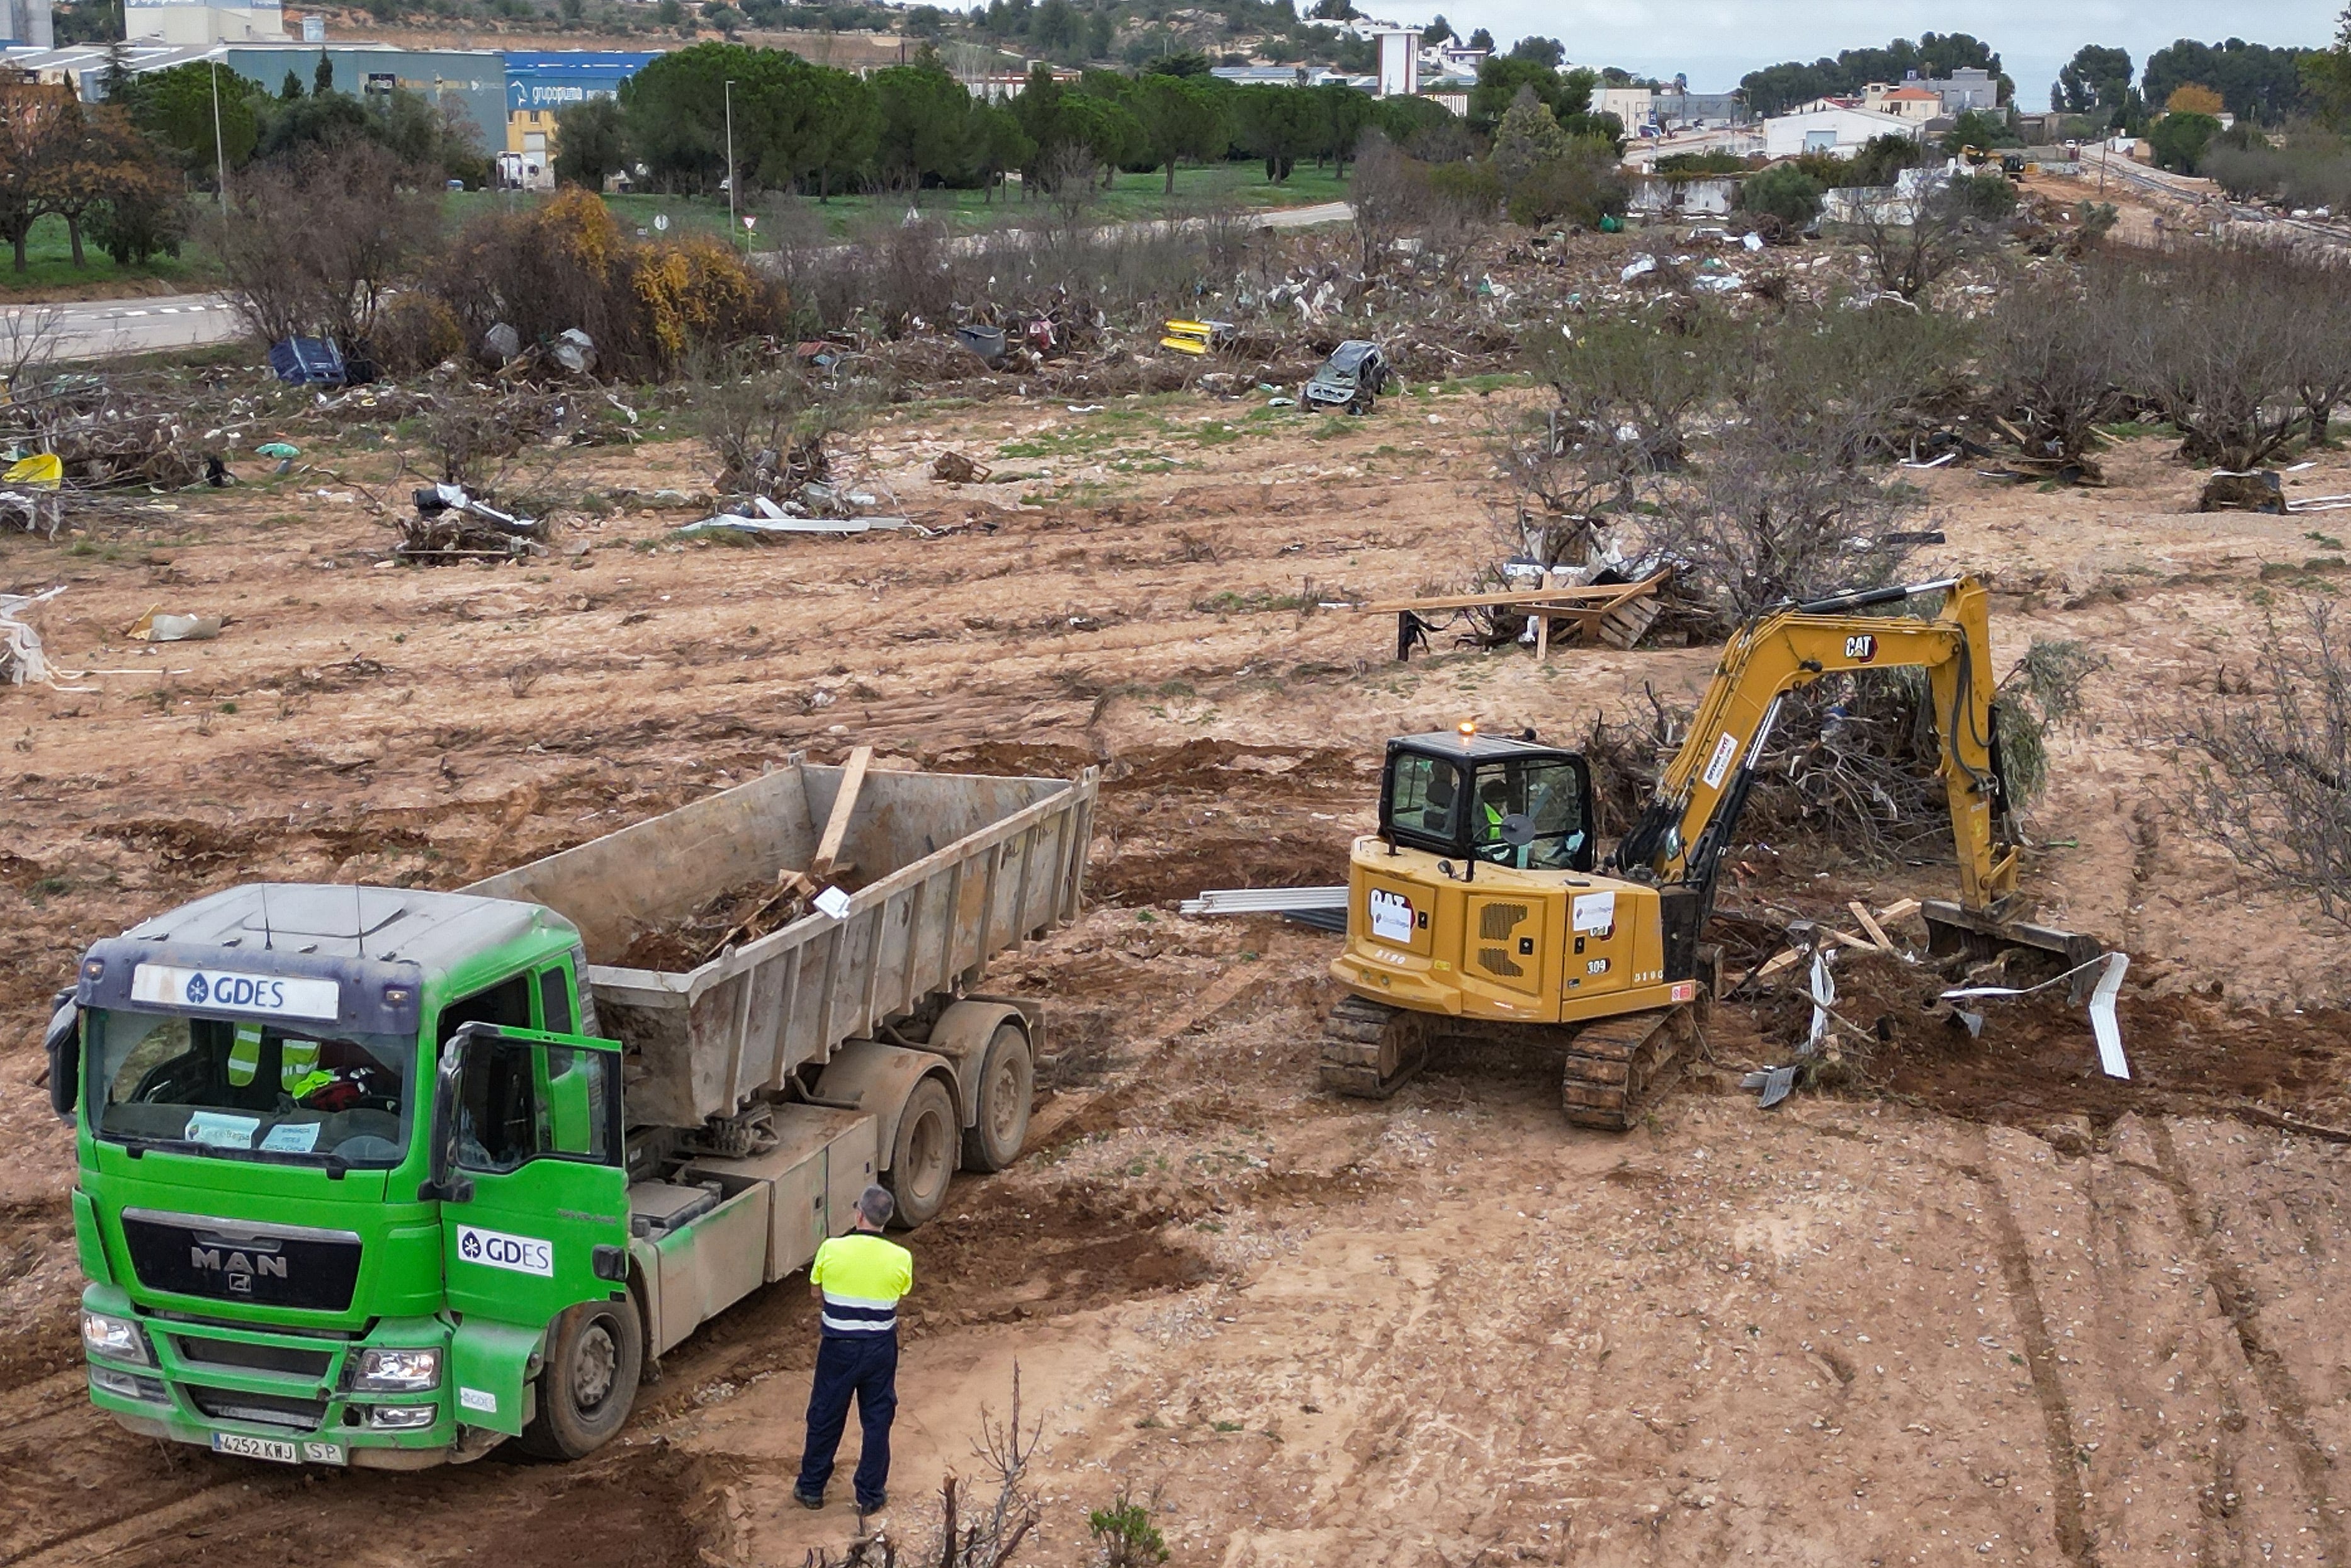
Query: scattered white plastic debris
1639, 267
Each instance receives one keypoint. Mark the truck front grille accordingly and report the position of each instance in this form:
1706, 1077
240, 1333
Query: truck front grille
267, 1409
311, 1363
239, 1260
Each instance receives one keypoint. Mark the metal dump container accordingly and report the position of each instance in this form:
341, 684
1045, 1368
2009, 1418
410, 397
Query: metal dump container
954, 868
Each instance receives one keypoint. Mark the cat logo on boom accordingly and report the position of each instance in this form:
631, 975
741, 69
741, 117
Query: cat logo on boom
1861, 648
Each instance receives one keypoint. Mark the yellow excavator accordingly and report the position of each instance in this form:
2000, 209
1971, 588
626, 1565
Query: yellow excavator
1477, 911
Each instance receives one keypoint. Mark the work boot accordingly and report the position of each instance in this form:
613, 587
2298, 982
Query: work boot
805, 1500
876, 1506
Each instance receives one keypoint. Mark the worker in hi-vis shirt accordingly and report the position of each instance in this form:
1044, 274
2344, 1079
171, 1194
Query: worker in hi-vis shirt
860, 1278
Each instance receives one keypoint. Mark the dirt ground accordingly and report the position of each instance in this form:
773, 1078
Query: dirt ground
1973, 1303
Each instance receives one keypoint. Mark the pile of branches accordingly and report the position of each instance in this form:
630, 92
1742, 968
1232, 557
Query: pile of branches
1852, 763
110, 433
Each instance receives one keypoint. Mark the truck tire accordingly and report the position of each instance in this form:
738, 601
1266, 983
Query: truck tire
922, 1162
595, 1353
1007, 1082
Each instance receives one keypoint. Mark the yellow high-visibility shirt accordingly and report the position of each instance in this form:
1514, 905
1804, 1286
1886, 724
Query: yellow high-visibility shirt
862, 1277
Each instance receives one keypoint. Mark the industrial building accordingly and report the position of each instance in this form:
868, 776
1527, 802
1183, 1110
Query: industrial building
540, 84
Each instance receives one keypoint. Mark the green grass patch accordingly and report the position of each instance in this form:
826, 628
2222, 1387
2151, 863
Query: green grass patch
1128, 198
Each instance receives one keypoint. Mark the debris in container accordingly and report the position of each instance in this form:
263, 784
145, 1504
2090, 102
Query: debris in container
955, 469
155, 626
735, 918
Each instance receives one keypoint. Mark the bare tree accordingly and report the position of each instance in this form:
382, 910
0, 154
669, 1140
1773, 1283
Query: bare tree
2049, 357
1628, 385
764, 422
312, 246
1764, 521
1913, 242
2273, 784
2210, 336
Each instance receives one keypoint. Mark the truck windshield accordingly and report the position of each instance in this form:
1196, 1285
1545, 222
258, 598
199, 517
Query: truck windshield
249, 1084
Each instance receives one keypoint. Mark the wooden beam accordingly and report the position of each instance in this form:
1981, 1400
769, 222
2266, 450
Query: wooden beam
1900, 909
1594, 600
845, 804
1869, 924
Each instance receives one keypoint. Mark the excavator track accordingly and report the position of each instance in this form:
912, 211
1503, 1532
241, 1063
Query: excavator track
1615, 1066
1370, 1051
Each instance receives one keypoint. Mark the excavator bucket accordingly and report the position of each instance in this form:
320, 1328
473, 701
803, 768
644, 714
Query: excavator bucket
1954, 931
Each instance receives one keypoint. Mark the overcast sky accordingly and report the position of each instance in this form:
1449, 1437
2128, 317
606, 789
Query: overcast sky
1718, 41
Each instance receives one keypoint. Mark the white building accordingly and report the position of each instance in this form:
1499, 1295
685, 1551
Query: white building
199, 22
1911, 100
1843, 131
1399, 63
1632, 106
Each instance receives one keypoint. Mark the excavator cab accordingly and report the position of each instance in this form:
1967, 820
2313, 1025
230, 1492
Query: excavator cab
1496, 801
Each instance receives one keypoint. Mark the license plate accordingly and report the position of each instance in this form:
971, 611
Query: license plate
269, 1449
278, 1451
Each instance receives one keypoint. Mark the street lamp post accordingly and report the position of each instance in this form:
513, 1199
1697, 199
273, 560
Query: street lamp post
220, 146
731, 224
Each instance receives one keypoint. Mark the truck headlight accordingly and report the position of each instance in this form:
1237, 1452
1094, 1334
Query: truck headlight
396, 1371
102, 1334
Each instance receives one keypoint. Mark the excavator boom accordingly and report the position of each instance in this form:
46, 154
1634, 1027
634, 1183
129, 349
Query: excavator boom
1691, 822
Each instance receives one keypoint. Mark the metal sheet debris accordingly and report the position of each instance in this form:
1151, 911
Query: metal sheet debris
2104, 1025
1265, 900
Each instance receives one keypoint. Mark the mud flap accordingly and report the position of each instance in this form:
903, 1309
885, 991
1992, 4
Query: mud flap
489, 1366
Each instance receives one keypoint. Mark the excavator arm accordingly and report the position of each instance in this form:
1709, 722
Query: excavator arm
1687, 827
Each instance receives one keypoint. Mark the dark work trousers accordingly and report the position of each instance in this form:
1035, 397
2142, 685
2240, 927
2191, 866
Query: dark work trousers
866, 1366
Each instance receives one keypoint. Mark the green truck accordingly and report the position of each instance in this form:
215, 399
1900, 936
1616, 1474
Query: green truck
384, 1176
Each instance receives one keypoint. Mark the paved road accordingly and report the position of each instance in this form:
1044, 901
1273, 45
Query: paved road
1306, 217
2204, 193
108, 328
111, 329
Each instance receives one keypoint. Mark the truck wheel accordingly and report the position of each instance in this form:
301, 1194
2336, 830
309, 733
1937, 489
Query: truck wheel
1007, 1082
594, 1356
924, 1162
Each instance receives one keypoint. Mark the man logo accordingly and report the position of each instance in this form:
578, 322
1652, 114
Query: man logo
1861, 649
237, 1271
470, 1245
197, 990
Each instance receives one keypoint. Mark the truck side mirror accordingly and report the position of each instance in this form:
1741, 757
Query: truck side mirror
63, 1043
442, 1182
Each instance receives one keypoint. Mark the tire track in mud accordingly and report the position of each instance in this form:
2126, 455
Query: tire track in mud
2280, 1391
148, 1523
2041, 1364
